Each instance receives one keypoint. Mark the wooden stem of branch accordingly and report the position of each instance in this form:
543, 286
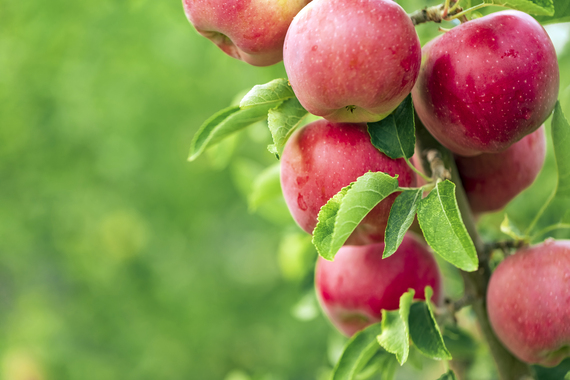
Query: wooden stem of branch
433, 14
509, 367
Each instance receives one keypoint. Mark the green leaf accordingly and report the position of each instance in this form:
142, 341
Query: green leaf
395, 336
401, 217
383, 365
443, 228
424, 330
459, 342
395, 135
357, 352
561, 13
282, 122
535, 7
343, 212
567, 377
223, 124
508, 228
268, 94
449, 375
561, 142
266, 186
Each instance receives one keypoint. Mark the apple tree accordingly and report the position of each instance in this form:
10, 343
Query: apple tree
388, 153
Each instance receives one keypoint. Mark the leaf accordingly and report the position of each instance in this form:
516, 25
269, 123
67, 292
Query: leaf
296, 255
459, 342
449, 375
343, 212
443, 228
395, 134
270, 93
561, 13
357, 352
266, 186
424, 330
282, 122
223, 124
395, 336
535, 7
561, 142
400, 219
508, 228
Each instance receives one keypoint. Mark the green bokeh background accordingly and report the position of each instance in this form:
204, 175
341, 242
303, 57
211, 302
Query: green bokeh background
118, 258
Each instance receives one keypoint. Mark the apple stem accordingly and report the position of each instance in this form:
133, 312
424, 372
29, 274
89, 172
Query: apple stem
465, 12
505, 245
508, 366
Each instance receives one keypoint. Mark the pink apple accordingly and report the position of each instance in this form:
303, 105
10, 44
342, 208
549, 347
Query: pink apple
352, 60
355, 287
250, 30
322, 158
487, 83
491, 180
528, 301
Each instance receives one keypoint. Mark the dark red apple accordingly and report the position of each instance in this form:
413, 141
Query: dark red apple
352, 60
355, 287
491, 180
250, 30
322, 158
528, 302
487, 83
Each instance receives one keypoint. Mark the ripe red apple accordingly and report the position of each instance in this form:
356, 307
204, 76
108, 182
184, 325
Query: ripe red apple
355, 287
491, 180
528, 302
352, 60
250, 30
487, 83
322, 158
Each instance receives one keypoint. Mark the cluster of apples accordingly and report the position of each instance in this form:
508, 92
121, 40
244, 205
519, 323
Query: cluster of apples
482, 90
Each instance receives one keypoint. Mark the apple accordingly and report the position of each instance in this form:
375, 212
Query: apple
491, 180
352, 61
487, 83
250, 30
322, 158
355, 287
528, 301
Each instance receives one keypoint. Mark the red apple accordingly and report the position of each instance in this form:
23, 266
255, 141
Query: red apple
491, 180
355, 287
487, 83
352, 60
528, 301
322, 158
250, 30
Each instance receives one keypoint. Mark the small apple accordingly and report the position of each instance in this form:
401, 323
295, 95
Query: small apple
491, 180
487, 83
352, 61
528, 301
250, 30
355, 287
322, 158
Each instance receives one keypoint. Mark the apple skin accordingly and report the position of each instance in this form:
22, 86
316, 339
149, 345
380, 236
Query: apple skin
352, 60
358, 284
322, 158
528, 301
487, 83
491, 180
250, 30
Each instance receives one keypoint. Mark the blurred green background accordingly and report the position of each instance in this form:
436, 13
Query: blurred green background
118, 258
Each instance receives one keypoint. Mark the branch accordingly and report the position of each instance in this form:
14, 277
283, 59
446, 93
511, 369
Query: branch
436, 13
509, 367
